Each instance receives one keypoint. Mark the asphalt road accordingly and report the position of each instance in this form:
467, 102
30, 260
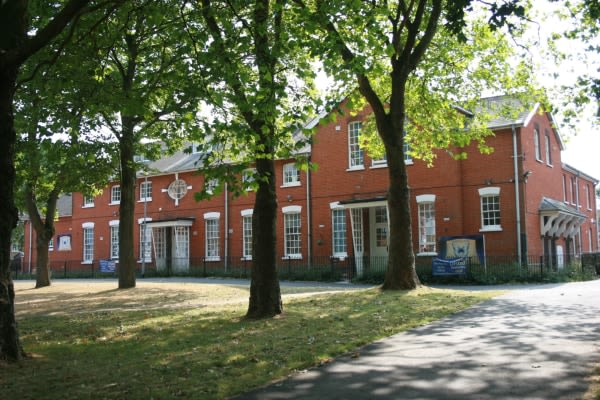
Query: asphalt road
536, 342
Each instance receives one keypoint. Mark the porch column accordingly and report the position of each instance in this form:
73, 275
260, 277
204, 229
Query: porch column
356, 223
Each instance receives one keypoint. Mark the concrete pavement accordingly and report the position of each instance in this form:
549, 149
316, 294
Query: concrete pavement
536, 342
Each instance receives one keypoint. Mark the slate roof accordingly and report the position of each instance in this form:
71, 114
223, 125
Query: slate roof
64, 205
548, 204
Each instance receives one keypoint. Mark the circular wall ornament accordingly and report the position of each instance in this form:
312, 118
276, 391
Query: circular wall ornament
177, 189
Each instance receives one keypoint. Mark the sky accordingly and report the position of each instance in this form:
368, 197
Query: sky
583, 145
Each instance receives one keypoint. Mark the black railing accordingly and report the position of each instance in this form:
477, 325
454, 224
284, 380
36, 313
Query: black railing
493, 269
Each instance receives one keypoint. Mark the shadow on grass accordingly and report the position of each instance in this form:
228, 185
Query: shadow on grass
208, 353
504, 348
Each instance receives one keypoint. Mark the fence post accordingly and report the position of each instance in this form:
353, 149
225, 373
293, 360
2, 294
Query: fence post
332, 264
92, 268
204, 267
65, 269
541, 268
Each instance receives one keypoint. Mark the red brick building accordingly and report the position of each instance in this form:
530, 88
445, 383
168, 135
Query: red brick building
522, 200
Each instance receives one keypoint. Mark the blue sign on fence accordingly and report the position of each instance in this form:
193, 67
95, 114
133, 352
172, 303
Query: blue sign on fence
453, 266
107, 266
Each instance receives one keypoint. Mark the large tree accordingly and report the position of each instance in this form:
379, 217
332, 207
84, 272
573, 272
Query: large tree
145, 90
575, 46
254, 58
368, 43
17, 44
58, 150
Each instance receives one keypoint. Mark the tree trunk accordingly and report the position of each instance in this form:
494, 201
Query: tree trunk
126, 208
265, 293
44, 230
42, 270
10, 345
401, 273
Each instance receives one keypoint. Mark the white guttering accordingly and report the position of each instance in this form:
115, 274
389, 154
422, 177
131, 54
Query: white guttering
308, 215
517, 196
226, 227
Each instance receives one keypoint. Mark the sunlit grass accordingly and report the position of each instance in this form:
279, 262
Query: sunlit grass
206, 350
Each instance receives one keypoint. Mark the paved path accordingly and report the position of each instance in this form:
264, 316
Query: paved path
533, 343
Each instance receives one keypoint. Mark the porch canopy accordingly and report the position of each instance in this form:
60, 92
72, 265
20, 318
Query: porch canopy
379, 201
558, 219
185, 221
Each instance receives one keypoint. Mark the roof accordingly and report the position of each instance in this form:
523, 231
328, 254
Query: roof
577, 172
522, 119
508, 103
64, 205
551, 205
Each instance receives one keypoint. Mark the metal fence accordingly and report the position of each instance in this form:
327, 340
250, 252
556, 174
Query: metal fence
493, 269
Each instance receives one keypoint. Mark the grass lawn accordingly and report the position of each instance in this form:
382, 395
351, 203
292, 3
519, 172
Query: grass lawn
169, 340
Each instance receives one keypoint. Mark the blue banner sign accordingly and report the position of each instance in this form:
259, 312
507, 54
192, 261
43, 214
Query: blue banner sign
453, 266
107, 266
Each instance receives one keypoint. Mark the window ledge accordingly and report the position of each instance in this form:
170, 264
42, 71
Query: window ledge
88, 206
291, 184
491, 229
409, 162
87, 262
292, 257
427, 253
378, 166
217, 258
550, 165
112, 203
539, 160
246, 258
146, 261
340, 256
361, 168
144, 200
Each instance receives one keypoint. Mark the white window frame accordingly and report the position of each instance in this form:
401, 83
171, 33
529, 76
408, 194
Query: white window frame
211, 236
115, 194
145, 193
427, 222
356, 157
339, 225
147, 246
248, 178
247, 234
87, 243
537, 144
88, 202
485, 195
211, 185
291, 175
548, 149
565, 193
181, 239
292, 232
380, 162
406, 149
51, 244
114, 239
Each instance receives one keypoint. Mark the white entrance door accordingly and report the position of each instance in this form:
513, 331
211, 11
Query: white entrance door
379, 232
560, 257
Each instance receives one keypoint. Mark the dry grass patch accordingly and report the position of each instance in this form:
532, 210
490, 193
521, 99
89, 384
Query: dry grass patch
160, 342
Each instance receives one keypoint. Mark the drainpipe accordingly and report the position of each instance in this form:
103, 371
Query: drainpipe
308, 214
226, 227
517, 196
